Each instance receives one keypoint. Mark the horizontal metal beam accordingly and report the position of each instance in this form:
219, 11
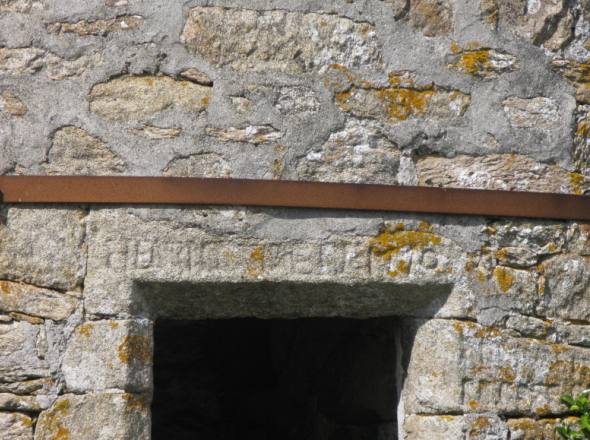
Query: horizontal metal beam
279, 193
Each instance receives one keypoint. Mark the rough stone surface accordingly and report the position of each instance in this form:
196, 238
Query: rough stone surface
498, 373
482, 62
42, 246
400, 102
75, 151
491, 321
35, 301
432, 17
287, 41
139, 97
109, 354
10, 103
253, 134
503, 171
19, 355
358, 153
15, 426
98, 27
100, 416
199, 165
538, 113
543, 22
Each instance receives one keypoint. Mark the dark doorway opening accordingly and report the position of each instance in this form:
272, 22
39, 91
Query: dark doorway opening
304, 379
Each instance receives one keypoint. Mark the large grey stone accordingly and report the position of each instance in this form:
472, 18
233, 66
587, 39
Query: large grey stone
43, 246
246, 39
102, 355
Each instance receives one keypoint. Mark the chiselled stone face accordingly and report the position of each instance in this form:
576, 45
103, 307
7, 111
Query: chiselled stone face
491, 315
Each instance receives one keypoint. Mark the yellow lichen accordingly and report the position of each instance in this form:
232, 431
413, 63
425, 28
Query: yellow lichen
545, 409
392, 240
27, 422
487, 332
583, 129
255, 265
402, 267
507, 374
473, 404
85, 329
136, 402
504, 278
478, 424
473, 62
576, 182
481, 275
402, 103
135, 348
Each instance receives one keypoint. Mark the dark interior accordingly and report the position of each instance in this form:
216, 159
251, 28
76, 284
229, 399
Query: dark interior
304, 379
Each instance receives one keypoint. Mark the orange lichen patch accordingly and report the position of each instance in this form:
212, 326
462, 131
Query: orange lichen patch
583, 128
401, 79
205, 100
504, 278
455, 48
579, 74
402, 267
507, 374
560, 348
402, 103
113, 324
447, 418
501, 254
135, 348
136, 402
481, 275
473, 404
255, 265
62, 433
278, 166
392, 240
85, 329
473, 62
5, 287
545, 409
558, 372
460, 326
577, 183
481, 422
469, 265
424, 226
487, 332
27, 422
54, 420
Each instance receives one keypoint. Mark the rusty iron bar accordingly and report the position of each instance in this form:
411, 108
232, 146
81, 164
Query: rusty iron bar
127, 190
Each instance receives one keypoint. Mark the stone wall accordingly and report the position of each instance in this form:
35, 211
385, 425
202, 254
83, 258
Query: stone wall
456, 93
